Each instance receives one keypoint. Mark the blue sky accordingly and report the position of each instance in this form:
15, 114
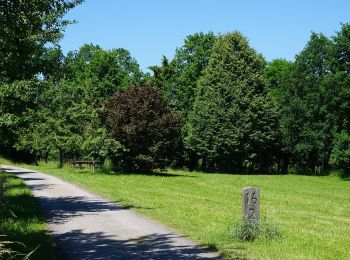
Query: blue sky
151, 28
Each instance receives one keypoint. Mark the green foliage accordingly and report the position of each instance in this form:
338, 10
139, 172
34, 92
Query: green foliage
55, 124
339, 104
238, 112
16, 100
248, 230
27, 26
100, 73
178, 78
305, 122
277, 73
97, 145
340, 156
141, 120
65, 127
162, 74
233, 122
342, 49
245, 230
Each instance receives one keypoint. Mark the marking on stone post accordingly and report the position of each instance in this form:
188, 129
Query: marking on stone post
251, 204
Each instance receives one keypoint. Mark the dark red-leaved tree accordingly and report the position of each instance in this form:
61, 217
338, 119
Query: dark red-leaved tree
148, 128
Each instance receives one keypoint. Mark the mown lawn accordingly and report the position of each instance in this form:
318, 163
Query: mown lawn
313, 212
22, 222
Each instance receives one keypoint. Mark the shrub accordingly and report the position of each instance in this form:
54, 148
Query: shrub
247, 230
142, 121
244, 230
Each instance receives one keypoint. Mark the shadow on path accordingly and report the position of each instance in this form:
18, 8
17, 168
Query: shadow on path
61, 209
101, 246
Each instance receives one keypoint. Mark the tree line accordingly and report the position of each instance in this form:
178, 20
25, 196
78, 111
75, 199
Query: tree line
216, 106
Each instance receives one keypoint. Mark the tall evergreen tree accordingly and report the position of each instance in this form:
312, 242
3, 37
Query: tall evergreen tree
233, 124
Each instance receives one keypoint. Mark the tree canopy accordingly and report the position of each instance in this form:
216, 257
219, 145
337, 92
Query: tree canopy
217, 105
27, 26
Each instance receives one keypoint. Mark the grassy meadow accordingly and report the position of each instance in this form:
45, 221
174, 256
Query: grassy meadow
313, 213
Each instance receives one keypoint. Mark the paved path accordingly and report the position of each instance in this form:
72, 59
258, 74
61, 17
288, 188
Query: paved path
86, 226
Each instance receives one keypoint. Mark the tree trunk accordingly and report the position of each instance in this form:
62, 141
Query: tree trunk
61, 159
284, 166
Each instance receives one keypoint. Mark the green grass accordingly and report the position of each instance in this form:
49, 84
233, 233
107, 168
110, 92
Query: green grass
313, 213
28, 229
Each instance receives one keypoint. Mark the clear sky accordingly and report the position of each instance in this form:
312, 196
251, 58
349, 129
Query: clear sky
151, 28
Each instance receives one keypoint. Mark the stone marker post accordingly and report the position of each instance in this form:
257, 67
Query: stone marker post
251, 204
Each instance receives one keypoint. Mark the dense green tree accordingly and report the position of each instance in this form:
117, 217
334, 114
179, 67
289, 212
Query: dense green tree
17, 99
277, 73
53, 64
66, 124
340, 80
56, 124
163, 75
233, 123
27, 26
178, 78
142, 121
101, 72
338, 105
306, 126
97, 144
63, 126
27, 30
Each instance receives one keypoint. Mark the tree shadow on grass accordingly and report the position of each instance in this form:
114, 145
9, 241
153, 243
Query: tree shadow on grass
130, 206
22, 185
345, 175
150, 174
17, 172
235, 251
98, 245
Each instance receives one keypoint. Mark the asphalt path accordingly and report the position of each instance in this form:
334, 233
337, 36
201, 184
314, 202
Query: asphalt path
87, 226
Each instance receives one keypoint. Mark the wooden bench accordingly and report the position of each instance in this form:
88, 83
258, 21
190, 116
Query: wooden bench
81, 163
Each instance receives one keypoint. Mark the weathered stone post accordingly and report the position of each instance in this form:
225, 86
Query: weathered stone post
251, 204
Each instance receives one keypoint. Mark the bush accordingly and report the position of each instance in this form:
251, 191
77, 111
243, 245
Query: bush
247, 230
142, 121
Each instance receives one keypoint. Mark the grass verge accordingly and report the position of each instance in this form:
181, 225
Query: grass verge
313, 213
22, 222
